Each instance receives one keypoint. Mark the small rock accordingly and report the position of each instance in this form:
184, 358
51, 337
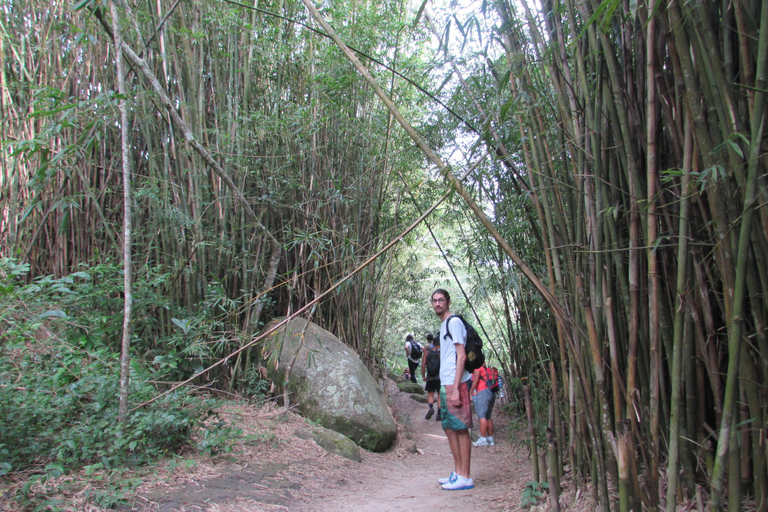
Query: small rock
333, 442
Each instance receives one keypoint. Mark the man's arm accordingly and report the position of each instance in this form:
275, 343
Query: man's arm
424, 365
461, 357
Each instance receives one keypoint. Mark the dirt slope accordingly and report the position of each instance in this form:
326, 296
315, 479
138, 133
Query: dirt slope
273, 469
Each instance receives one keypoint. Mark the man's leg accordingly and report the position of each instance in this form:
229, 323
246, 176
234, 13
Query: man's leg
465, 452
453, 442
484, 427
412, 368
490, 421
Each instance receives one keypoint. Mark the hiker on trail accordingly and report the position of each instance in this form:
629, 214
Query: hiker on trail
430, 374
484, 399
413, 352
455, 404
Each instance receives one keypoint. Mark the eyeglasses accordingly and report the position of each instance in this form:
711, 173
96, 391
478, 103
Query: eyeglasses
438, 301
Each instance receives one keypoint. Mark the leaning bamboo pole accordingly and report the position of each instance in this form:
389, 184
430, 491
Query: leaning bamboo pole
553, 303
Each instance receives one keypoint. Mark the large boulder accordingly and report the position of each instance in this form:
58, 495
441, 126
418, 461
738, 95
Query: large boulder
328, 383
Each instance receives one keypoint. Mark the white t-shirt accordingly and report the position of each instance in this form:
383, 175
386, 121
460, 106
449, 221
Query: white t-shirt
448, 351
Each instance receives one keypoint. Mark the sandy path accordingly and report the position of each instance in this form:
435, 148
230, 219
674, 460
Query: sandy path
409, 480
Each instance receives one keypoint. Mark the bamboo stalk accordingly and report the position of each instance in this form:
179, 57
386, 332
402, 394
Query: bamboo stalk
676, 377
553, 477
125, 356
531, 434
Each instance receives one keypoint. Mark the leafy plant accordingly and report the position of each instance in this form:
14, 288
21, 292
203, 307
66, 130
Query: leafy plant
532, 493
59, 385
255, 386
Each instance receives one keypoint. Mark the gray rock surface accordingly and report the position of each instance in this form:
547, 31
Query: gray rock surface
328, 383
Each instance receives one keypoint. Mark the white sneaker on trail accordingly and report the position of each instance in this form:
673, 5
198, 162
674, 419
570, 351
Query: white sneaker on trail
481, 442
447, 479
459, 484
490, 440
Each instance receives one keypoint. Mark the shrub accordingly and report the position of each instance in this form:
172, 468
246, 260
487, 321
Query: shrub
59, 380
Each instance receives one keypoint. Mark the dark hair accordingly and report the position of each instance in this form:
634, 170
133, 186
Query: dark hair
443, 293
409, 337
436, 339
430, 337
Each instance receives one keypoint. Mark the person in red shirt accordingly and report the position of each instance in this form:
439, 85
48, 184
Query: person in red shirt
484, 399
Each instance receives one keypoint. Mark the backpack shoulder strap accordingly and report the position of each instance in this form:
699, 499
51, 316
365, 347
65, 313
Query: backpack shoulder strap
448, 326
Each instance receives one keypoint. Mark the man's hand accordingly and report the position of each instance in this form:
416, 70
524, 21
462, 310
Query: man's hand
455, 397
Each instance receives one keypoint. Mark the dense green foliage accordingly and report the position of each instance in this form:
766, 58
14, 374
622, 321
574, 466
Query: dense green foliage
59, 381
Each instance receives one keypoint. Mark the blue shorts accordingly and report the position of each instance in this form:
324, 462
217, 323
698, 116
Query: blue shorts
484, 401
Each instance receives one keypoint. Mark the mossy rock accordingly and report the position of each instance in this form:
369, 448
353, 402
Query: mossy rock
420, 398
332, 442
328, 384
410, 387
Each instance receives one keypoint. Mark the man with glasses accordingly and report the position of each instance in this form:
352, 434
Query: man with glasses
455, 405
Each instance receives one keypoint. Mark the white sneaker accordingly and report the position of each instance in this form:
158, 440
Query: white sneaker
459, 484
481, 441
490, 440
448, 479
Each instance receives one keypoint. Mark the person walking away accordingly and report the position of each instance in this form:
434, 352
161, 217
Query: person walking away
484, 399
413, 352
430, 374
455, 405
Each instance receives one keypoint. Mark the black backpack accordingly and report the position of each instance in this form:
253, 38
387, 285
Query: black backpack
416, 350
473, 346
433, 363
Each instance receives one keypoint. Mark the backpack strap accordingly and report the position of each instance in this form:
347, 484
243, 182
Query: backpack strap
448, 326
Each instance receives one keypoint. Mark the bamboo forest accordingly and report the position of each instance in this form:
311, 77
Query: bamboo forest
587, 177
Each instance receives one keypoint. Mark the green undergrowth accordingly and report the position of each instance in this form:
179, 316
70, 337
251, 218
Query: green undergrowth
59, 390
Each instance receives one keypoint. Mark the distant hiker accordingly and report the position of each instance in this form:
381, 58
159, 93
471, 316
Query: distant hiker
430, 373
413, 352
483, 381
455, 404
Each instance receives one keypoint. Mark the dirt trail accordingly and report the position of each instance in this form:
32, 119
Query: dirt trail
409, 482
